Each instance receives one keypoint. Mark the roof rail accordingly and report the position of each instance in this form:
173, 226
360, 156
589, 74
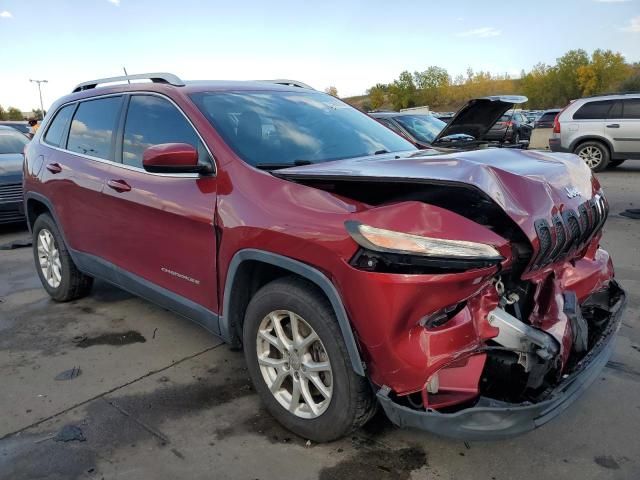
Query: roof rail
612, 93
159, 77
290, 83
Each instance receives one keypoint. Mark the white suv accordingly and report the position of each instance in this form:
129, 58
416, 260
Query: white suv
604, 130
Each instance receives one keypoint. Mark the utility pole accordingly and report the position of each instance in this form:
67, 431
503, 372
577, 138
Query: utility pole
40, 92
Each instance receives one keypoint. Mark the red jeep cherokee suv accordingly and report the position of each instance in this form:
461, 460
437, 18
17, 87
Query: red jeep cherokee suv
464, 293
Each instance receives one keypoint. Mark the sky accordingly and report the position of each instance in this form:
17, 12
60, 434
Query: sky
351, 45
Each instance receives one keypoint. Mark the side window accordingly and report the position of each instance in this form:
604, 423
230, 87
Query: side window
153, 120
598, 110
616, 110
93, 126
59, 126
632, 108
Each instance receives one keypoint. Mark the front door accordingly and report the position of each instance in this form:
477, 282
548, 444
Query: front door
161, 227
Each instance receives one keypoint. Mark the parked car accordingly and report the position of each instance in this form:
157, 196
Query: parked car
464, 293
546, 119
469, 128
512, 127
12, 145
21, 126
603, 130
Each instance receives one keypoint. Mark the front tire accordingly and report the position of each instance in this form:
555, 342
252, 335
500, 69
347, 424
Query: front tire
595, 155
299, 364
59, 275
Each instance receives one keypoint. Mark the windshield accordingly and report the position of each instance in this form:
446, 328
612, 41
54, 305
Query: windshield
423, 128
285, 128
12, 142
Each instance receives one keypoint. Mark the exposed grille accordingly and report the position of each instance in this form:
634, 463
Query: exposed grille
570, 232
11, 193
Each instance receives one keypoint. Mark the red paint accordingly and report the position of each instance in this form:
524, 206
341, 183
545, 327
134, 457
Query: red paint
169, 222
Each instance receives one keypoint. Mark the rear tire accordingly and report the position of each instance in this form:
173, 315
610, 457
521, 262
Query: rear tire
595, 154
59, 275
347, 402
615, 163
515, 138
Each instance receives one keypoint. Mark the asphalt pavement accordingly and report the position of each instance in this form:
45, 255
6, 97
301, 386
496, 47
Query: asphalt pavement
144, 394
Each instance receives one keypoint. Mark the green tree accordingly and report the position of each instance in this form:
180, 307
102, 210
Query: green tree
14, 114
565, 86
630, 84
376, 97
3, 114
37, 114
433, 84
605, 72
403, 91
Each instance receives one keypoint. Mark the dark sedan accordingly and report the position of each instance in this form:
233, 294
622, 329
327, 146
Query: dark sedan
511, 127
12, 145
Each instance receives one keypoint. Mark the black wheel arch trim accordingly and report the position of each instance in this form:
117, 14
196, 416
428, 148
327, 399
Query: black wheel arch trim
302, 269
45, 201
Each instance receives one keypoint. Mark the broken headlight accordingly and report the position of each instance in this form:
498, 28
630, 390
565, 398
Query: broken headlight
423, 250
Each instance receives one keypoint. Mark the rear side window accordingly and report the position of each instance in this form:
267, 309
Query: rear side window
632, 108
59, 126
151, 121
597, 110
93, 126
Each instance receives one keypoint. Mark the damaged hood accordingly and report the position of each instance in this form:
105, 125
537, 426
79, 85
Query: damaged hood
478, 116
527, 185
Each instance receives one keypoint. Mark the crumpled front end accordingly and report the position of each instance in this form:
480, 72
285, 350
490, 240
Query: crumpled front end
477, 283
503, 349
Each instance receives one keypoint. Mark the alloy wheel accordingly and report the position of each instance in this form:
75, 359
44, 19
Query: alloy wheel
591, 155
294, 364
49, 258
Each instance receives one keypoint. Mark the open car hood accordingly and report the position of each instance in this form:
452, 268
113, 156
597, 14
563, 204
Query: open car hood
478, 116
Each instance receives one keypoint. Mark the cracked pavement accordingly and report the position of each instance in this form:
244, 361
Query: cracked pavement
158, 397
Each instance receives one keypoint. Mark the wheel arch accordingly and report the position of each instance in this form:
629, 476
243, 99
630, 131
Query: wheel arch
242, 269
592, 138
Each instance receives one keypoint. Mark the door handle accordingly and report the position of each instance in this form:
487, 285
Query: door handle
54, 167
119, 185
613, 125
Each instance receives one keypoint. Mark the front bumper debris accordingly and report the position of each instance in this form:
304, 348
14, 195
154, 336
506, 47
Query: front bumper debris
491, 419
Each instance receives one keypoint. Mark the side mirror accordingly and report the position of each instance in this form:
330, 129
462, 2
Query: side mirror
171, 158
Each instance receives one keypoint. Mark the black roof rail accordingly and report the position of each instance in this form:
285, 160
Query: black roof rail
158, 77
290, 83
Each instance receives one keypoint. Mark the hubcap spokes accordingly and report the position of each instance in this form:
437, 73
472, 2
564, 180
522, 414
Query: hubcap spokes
591, 155
294, 364
49, 258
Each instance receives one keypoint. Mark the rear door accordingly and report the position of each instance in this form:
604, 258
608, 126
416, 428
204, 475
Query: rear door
627, 134
161, 226
590, 119
76, 166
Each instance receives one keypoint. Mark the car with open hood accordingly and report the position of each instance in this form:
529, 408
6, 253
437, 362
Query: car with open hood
465, 293
481, 122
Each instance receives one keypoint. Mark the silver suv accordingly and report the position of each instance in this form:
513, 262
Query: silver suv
604, 130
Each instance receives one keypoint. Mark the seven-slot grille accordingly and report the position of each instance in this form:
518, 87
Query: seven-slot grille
570, 231
11, 193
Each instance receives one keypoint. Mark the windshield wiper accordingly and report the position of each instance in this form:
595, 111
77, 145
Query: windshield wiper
277, 166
